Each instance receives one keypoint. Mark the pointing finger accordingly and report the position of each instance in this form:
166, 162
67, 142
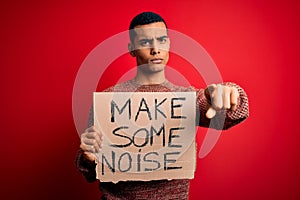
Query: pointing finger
210, 113
209, 90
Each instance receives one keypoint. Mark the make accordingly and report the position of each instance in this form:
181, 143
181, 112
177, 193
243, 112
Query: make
143, 107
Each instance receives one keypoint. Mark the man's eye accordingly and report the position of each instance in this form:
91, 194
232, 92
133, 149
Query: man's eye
162, 40
145, 43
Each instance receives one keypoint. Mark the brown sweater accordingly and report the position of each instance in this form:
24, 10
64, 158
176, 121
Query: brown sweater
161, 189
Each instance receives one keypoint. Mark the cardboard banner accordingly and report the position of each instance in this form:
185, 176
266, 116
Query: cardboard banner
147, 136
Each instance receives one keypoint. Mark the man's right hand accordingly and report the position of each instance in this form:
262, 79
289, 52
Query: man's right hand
91, 142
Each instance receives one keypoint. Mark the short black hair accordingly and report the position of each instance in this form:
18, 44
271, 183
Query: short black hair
142, 19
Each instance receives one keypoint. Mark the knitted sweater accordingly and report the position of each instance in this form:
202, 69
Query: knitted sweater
161, 189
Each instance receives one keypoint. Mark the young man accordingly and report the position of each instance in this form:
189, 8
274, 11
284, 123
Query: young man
149, 44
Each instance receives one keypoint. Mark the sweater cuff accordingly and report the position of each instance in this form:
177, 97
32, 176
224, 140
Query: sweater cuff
85, 166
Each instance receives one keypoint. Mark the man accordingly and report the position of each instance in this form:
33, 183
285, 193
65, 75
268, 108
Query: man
149, 44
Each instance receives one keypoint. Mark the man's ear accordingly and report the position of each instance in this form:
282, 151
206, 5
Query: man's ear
131, 49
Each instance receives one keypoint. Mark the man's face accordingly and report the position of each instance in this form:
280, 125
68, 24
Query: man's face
151, 47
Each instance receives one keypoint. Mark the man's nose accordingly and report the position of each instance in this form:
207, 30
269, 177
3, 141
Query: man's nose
154, 49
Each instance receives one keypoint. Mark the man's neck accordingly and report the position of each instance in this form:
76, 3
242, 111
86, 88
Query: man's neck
150, 79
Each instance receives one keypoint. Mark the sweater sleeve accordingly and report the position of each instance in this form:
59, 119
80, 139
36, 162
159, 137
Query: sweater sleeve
224, 119
85, 166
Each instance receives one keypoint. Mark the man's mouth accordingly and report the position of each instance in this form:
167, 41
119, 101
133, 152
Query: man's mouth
156, 60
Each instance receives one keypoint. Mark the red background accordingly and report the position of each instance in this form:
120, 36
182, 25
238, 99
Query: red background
254, 43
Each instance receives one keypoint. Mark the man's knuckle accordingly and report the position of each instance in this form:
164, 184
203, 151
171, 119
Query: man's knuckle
226, 89
94, 134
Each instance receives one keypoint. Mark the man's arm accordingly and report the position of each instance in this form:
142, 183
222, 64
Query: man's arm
222, 106
85, 166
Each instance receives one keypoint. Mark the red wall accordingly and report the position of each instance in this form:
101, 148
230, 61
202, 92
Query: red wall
254, 43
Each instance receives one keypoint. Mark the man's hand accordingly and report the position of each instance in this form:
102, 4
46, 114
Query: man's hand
91, 142
221, 97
